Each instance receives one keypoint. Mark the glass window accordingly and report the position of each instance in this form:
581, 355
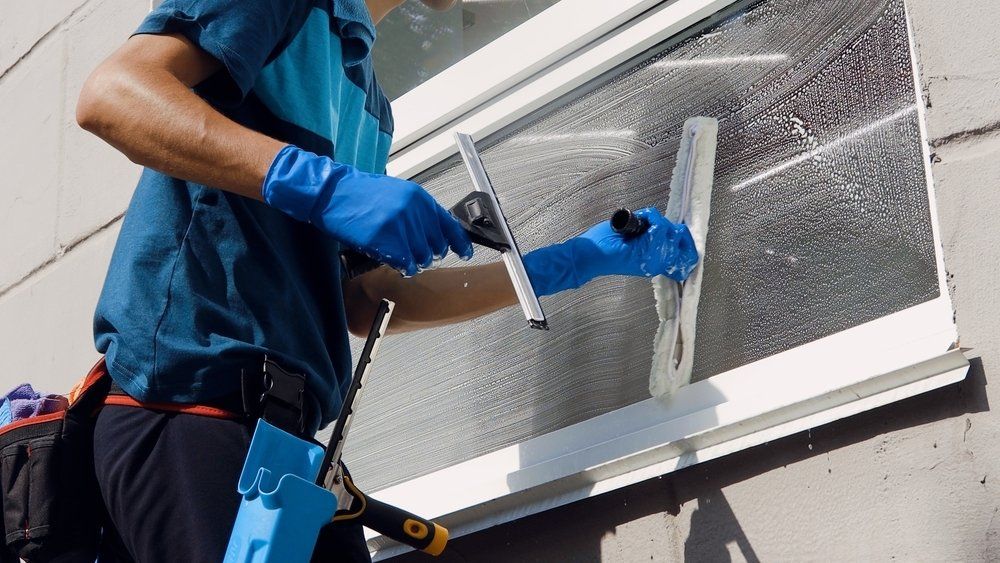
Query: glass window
415, 43
820, 222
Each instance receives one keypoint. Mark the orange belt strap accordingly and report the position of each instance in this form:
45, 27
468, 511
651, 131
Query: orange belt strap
201, 410
122, 400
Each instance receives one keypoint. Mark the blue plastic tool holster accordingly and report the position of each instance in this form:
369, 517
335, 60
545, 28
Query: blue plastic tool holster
282, 509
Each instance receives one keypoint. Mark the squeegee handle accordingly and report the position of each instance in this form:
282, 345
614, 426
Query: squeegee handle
628, 224
404, 527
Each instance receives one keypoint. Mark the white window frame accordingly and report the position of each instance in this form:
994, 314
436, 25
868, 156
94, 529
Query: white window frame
885, 360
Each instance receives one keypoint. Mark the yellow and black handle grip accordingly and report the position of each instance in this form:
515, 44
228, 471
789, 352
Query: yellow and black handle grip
404, 527
396, 523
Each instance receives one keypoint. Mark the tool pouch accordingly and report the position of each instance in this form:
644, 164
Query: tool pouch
51, 502
282, 509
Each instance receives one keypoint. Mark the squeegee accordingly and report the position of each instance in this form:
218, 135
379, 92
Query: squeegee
481, 216
677, 303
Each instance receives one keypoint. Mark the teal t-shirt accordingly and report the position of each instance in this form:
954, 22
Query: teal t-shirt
204, 283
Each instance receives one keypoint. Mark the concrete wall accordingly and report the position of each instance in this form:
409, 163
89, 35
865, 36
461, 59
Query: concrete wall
918, 480
62, 191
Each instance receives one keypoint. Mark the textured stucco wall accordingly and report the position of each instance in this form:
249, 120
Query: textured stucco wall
917, 480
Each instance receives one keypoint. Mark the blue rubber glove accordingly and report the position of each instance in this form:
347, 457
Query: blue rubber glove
665, 249
390, 220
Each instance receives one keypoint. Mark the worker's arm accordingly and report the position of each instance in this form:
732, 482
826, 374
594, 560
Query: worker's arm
140, 101
432, 298
449, 295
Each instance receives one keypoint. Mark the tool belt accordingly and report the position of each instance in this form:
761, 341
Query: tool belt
52, 508
272, 393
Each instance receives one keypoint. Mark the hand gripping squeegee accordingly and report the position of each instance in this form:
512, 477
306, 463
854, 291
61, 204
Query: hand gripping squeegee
677, 303
480, 215
292, 487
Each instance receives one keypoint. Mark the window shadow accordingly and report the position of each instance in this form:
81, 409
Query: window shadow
576, 532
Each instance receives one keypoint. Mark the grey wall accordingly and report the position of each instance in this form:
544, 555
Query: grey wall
62, 190
918, 480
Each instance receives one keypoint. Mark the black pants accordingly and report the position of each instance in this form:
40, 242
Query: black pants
169, 483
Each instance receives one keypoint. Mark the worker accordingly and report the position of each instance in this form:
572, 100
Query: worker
264, 136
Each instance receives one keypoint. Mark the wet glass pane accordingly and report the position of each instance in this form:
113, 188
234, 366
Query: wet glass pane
820, 222
415, 42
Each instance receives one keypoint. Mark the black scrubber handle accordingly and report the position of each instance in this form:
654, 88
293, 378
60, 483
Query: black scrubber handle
628, 224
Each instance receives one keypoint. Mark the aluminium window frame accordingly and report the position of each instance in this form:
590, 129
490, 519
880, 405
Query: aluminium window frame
885, 360
514, 56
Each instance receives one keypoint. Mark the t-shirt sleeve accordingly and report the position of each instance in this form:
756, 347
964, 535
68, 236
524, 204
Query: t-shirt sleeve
240, 34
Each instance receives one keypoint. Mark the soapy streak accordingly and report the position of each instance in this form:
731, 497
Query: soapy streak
577, 136
722, 61
813, 153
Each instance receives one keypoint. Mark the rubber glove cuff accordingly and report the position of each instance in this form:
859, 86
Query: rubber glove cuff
298, 180
552, 269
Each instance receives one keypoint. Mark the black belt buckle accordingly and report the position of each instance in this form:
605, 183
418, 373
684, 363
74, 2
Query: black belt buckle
276, 395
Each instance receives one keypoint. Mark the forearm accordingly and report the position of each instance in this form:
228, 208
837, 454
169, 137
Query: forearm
431, 299
148, 113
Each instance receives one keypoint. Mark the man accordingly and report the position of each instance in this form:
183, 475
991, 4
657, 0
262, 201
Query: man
263, 132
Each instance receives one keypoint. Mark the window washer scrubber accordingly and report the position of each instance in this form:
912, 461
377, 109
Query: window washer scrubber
676, 299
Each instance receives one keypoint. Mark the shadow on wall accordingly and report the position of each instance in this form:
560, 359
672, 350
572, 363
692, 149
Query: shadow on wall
713, 528
575, 532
